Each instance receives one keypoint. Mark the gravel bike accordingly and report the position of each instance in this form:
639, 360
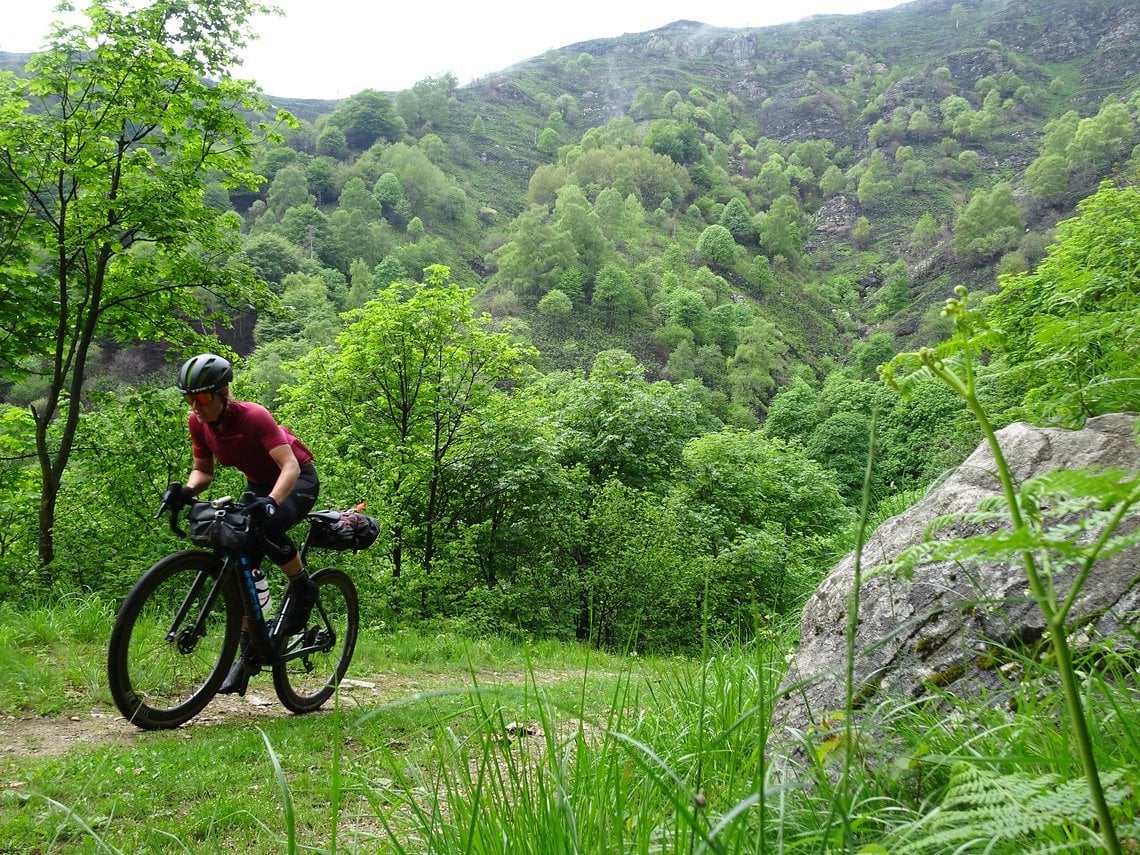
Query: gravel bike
177, 631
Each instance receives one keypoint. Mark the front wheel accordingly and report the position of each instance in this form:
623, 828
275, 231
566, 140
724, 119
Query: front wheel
313, 662
173, 640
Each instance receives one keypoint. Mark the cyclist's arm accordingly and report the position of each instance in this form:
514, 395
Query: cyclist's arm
286, 461
201, 475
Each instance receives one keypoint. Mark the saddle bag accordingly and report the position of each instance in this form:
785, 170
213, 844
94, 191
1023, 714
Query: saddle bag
343, 530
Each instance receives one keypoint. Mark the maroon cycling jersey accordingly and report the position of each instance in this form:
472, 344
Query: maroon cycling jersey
243, 438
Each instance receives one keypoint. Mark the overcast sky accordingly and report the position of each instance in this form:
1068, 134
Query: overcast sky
335, 48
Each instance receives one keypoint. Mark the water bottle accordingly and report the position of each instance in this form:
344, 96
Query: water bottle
261, 585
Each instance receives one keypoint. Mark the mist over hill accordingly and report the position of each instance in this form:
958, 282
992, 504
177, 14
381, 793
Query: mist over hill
919, 108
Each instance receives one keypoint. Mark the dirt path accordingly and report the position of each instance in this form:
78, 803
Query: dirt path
52, 736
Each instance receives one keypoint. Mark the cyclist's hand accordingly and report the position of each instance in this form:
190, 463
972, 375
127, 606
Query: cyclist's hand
177, 496
261, 508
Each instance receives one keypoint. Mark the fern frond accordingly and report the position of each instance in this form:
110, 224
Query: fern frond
999, 545
1063, 508
984, 810
1108, 486
904, 373
986, 515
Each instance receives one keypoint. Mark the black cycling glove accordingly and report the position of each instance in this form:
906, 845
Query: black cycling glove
177, 495
261, 508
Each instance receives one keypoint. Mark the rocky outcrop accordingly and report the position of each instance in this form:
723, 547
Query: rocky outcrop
803, 113
969, 66
945, 629
927, 89
1063, 31
836, 216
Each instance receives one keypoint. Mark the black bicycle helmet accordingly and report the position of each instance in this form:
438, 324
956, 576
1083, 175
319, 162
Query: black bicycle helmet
206, 372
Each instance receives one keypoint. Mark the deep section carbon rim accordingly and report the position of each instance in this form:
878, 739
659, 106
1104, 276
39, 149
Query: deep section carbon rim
315, 661
171, 642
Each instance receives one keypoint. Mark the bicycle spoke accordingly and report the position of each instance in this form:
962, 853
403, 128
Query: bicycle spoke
175, 632
315, 661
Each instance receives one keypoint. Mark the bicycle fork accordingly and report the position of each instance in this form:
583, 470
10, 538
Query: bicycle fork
186, 636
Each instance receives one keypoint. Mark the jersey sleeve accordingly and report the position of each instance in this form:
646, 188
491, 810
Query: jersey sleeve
198, 447
265, 428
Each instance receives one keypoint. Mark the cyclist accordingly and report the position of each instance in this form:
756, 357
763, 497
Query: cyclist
278, 468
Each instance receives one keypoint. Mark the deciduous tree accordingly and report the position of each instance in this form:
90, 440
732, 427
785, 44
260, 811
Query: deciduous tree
737, 217
716, 245
990, 224
288, 189
104, 154
617, 296
780, 233
765, 515
616, 424
366, 117
399, 406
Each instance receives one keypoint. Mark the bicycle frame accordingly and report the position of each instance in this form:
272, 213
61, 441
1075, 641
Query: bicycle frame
262, 632
267, 642
189, 609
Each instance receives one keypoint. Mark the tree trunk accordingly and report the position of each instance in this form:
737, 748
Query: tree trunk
397, 550
46, 540
49, 485
69, 369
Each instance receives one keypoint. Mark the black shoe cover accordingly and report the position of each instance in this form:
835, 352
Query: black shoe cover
303, 596
238, 679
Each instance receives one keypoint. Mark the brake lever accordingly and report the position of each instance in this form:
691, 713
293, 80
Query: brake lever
173, 521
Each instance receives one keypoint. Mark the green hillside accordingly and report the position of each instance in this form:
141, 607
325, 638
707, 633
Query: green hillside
664, 240
917, 108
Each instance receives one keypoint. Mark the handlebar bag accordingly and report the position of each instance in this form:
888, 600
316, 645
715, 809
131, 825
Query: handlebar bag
218, 528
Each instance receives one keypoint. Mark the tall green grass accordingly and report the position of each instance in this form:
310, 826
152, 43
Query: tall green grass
593, 753
649, 767
53, 654
676, 763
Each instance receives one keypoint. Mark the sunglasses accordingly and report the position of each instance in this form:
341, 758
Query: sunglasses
200, 398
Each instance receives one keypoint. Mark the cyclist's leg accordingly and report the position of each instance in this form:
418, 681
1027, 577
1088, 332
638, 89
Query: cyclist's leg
274, 540
272, 535
315, 663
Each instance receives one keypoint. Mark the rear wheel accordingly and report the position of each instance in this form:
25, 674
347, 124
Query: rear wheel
313, 662
173, 640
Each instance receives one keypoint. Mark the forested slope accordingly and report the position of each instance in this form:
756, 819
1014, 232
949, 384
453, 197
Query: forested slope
671, 264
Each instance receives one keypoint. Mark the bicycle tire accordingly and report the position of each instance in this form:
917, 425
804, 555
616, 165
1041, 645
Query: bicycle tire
161, 674
304, 682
